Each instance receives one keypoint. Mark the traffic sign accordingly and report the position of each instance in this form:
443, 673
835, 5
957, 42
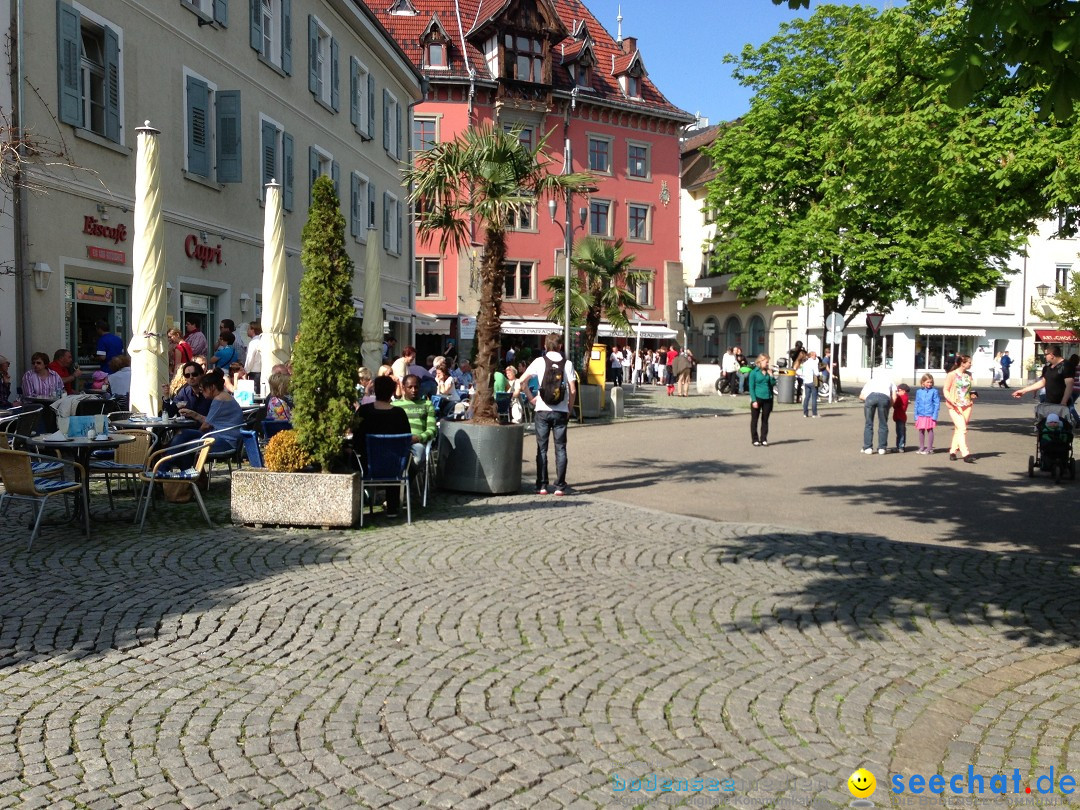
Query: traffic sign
835, 322
873, 322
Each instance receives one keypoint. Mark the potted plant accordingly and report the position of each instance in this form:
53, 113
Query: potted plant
482, 178
602, 288
323, 361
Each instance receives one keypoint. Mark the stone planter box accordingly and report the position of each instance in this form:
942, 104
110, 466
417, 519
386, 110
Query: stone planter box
480, 458
295, 499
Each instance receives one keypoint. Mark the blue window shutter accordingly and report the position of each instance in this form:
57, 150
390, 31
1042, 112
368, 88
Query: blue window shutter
269, 155
112, 85
221, 13
335, 175
313, 172
400, 224
286, 36
354, 102
371, 203
335, 84
354, 201
287, 170
69, 73
255, 16
386, 119
229, 143
370, 106
314, 80
198, 123
397, 112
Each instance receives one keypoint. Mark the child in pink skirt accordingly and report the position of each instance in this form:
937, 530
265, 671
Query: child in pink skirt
927, 405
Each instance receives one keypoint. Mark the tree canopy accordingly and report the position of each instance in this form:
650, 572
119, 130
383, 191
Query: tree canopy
852, 181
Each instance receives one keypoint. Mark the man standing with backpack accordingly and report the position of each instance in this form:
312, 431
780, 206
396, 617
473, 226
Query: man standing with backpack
552, 404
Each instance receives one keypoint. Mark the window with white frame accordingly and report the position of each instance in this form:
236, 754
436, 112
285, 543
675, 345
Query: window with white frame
638, 163
1001, 296
524, 219
392, 223
322, 164
90, 71
392, 135
361, 98
435, 56
322, 63
600, 217
639, 222
210, 10
525, 133
519, 281
428, 277
212, 131
276, 150
643, 290
631, 85
599, 154
271, 32
425, 132
1061, 278
358, 205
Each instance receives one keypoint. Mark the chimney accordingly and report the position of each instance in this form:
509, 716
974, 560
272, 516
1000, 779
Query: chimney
629, 44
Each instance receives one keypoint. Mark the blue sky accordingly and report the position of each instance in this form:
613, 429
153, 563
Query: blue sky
683, 45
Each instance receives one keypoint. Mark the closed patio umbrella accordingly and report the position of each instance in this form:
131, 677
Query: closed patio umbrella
277, 334
371, 352
149, 344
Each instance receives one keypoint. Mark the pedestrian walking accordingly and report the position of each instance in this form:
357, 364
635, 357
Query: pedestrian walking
553, 403
762, 386
899, 415
810, 374
1006, 362
927, 405
877, 395
959, 397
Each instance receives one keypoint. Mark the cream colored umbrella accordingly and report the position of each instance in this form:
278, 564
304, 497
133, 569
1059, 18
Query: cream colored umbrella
371, 352
277, 333
149, 342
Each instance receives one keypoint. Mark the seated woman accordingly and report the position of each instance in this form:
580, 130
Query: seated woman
364, 394
120, 378
277, 407
447, 391
380, 417
189, 393
40, 380
224, 413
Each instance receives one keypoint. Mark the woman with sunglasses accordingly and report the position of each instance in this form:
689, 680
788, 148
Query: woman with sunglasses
40, 380
190, 393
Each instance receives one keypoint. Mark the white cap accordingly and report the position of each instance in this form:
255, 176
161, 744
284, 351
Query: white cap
1053, 419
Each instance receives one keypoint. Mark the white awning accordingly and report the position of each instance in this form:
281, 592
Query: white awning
530, 327
647, 330
440, 326
400, 314
951, 330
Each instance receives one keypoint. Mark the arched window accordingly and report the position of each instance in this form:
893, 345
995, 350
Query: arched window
732, 333
756, 332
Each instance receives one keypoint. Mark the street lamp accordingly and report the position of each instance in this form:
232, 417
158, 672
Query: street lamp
1042, 290
568, 234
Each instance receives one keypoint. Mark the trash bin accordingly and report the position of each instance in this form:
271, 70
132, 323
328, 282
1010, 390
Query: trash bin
785, 387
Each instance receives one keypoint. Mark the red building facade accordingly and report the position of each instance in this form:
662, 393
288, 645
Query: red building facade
551, 69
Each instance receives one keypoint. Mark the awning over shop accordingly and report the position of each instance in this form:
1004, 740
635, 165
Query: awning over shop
1056, 336
951, 330
399, 314
530, 327
440, 326
647, 330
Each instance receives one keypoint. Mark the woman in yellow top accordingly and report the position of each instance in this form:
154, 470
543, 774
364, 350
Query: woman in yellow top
958, 399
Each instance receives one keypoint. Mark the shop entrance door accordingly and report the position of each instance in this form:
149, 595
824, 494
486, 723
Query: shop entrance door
203, 310
85, 304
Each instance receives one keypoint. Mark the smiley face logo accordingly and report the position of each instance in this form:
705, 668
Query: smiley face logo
862, 784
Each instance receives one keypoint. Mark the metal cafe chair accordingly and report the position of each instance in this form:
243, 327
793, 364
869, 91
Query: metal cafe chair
20, 484
388, 457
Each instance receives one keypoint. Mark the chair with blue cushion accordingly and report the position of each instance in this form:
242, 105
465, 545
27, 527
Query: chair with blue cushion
129, 459
502, 406
250, 440
272, 427
20, 484
388, 457
159, 470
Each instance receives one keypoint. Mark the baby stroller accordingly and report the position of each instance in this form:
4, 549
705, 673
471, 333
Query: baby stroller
1053, 443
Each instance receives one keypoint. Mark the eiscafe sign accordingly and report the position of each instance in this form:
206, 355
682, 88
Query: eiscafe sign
204, 254
91, 227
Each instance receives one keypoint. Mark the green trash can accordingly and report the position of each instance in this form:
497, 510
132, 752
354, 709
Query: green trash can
785, 387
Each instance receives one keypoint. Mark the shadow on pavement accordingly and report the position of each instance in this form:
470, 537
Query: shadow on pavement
864, 584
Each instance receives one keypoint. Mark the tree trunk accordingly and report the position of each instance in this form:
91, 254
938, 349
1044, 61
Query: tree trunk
488, 319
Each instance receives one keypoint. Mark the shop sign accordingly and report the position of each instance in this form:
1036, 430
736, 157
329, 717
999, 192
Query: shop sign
91, 227
204, 254
106, 255
467, 328
94, 292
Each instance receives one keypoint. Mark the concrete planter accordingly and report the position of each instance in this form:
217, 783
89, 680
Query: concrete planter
592, 400
480, 458
295, 499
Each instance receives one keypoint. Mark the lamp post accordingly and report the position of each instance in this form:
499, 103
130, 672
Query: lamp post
568, 237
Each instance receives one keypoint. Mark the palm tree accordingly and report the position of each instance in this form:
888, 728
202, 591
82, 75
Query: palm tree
482, 178
602, 288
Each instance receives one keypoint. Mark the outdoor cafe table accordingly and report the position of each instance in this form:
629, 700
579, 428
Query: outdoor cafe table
79, 449
159, 427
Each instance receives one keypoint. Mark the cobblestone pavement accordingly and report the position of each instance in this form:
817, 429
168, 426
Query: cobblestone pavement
520, 652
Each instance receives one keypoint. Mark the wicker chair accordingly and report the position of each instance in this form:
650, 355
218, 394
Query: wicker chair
128, 460
42, 468
20, 484
155, 473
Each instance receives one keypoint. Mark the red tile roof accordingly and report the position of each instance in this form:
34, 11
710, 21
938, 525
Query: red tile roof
460, 16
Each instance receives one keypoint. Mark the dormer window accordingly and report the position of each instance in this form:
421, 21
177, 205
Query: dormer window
524, 58
582, 75
402, 8
631, 85
435, 44
435, 55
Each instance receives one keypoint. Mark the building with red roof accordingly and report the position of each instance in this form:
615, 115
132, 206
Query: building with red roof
550, 68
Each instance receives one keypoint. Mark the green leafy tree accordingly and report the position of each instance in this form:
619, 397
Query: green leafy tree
851, 181
602, 288
1066, 303
483, 176
325, 356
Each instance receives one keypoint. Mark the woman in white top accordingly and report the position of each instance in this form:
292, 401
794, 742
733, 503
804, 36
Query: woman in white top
809, 371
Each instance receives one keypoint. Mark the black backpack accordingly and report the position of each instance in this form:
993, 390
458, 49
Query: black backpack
552, 390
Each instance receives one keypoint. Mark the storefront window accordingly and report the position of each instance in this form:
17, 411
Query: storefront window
882, 347
86, 302
938, 352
